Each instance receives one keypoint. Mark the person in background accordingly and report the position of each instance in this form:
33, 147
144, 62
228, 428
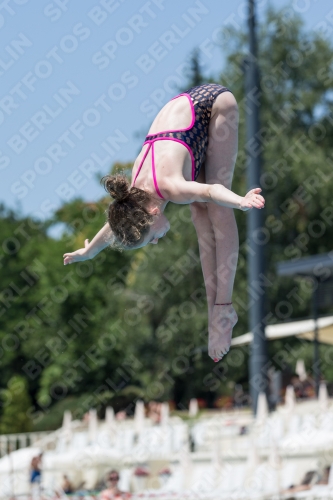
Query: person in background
325, 475
67, 486
112, 492
121, 415
154, 411
35, 472
309, 479
309, 388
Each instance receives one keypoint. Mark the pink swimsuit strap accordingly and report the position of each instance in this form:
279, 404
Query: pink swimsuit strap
150, 143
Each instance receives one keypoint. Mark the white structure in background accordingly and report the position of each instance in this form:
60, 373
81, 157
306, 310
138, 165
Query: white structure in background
139, 416
92, 426
109, 417
302, 329
14, 472
262, 409
193, 408
300, 369
66, 426
323, 396
252, 460
165, 413
234, 457
185, 465
290, 399
275, 464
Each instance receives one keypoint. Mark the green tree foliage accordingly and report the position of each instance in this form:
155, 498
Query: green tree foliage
134, 324
16, 402
195, 74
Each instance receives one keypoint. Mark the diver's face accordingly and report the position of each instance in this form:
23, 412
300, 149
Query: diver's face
158, 229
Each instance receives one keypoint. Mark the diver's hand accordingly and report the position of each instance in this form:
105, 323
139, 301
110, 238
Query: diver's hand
252, 200
78, 255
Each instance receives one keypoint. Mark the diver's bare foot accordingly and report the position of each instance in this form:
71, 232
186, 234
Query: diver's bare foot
223, 320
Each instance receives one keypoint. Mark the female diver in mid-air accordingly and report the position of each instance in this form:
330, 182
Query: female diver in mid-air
188, 157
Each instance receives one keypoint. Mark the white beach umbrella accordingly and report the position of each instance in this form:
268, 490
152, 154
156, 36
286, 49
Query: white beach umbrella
290, 399
185, 465
110, 418
139, 416
111, 424
217, 463
276, 426
252, 461
92, 425
274, 465
262, 408
274, 459
251, 466
165, 412
193, 408
323, 396
300, 369
66, 428
67, 419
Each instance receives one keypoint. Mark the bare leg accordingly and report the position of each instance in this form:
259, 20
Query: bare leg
206, 240
219, 167
207, 248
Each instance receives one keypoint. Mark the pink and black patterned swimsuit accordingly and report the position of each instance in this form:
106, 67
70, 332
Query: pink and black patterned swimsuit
194, 137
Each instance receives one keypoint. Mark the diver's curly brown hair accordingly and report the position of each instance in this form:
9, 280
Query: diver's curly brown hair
127, 215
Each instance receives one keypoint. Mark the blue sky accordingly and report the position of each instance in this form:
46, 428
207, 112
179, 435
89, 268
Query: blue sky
81, 82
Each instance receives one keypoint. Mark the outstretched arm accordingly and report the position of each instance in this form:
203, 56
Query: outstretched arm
227, 198
97, 244
189, 192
